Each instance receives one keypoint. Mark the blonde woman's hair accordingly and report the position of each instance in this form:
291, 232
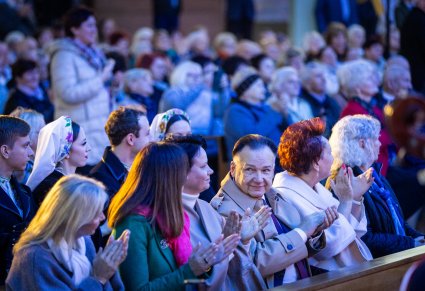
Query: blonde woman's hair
72, 202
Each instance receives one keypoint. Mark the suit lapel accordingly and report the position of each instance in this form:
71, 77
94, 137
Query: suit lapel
25, 199
163, 246
212, 229
7, 203
283, 210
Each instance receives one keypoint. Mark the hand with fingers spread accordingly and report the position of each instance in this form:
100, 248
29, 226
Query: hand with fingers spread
252, 224
341, 184
331, 214
202, 258
361, 183
233, 224
107, 260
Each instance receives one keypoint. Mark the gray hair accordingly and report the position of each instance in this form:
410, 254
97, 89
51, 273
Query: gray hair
353, 74
345, 136
222, 37
394, 72
281, 75
133, 75
179, 74
308, 70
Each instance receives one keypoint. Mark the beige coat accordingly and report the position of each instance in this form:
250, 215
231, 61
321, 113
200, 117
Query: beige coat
272, 252
236, 273
79, 93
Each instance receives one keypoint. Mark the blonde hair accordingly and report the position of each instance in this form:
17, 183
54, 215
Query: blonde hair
72, 202
34, 118
179, 74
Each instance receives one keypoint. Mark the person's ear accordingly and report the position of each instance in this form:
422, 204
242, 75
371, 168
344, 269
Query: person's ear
315, 166
232, 168
130, 139
4, 151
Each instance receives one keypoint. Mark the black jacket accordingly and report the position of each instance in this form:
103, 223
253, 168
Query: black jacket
110, 171
44, 187
12, 224
19, 98
328, 109
381, 237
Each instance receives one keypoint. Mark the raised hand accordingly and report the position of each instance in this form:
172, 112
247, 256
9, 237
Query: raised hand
202, 259
361, 183
233, 224
107, 260
341, 184
331, 214
252, 224
107, 70
311, 222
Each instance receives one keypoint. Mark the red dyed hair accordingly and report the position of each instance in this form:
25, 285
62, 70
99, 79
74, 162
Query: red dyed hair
145, 61
301, 145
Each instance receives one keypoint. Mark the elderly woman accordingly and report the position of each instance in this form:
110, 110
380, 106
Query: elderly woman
188, 93
138, 87
206, 225
359, 83
285, 87
249, 114
306, 156
149, 204
56, 253
355, 143
79, 71
61, 148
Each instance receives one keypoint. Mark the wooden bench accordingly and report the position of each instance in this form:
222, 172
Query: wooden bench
380, 274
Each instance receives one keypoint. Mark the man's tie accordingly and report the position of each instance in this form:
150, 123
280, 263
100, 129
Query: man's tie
300, 266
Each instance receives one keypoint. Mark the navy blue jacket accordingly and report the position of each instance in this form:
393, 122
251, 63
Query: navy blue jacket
328, 11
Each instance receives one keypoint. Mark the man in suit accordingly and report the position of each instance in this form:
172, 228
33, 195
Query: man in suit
166, 14
16, 205
327, 11
280, 249
412, 44
128, 132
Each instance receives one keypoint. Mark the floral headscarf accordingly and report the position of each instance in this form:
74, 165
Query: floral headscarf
159, 123
54, 143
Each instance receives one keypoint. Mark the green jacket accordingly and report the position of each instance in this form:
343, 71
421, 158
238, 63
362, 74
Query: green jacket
150, 264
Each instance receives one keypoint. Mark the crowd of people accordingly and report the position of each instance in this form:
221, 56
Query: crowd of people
108, 156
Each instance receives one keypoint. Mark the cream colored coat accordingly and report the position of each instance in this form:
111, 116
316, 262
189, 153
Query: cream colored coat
79, 93
343, 244
271, 252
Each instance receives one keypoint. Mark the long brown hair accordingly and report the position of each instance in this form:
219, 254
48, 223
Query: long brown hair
155, 180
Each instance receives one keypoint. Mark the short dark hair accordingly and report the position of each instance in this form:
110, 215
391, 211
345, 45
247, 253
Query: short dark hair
11, 128
254, 142
75, 17
191, 144
301, 145
202, 60
258, 59
21, 66
123, 121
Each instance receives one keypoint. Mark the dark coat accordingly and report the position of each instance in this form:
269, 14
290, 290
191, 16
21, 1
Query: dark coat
110, 171
12, 224
19, 98
412, 46
36, 268
381, 237
328, 11
44, 187
328, 109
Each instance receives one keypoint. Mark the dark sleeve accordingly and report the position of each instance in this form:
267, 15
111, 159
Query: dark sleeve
382, 244
41, 190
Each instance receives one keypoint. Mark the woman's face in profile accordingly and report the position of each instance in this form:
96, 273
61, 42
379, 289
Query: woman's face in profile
179, 128
79, 150
90, 228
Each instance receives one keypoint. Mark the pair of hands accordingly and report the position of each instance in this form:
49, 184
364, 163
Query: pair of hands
107, 260
315, 223
347, 187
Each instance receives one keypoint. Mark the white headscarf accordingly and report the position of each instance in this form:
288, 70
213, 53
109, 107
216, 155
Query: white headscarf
159, 123
54, 144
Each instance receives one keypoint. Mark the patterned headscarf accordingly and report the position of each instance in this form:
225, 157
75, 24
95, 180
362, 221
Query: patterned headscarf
159, 123
54, 144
